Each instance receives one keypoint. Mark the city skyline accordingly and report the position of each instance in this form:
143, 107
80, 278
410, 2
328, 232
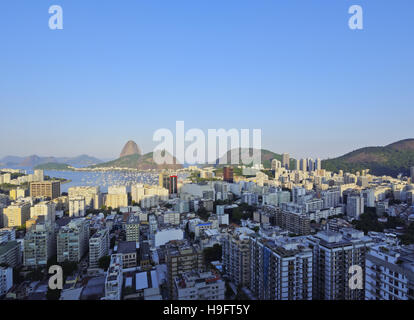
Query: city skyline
314, 87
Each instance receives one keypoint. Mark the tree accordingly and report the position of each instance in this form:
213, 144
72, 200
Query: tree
104, 262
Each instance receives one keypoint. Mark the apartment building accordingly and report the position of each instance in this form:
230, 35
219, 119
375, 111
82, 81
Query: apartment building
389, 272
283, 268
77, 206
92, 196
46, 209
73, 240
333, 255
10, 253
39, 243
195, 285
132, 228
236, 255
16, 214
47, 189
6, 279
98, 247
114, 279
181, 257
117, 197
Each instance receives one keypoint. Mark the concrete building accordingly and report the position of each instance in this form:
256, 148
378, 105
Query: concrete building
39, 243
6, 279
389, 273
132, 228
333, 255
180, 258
285, 160
354, 206
128, 250
98, 247
73, 240
117, 197
77, 207
92, 196
47, 189
46, 209
281, 269
236, 255
16, 214
114, 278
195, 285
10, 253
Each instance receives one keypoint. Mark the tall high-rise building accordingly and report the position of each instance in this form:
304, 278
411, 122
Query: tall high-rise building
228, 174
77, 206
236, 255
114, 278
334, 253
98, 247
38, 175
297, 165
276, 164
10, 253
6, 279
281, 269
117, 197
92, 196
46, 209
39, 243
310, 164
132, 228
48, 189
173, 188
412, 174
303, 165
181, 257
388, 273
318, 164
73, 240
354, 206
285, 160
16, 214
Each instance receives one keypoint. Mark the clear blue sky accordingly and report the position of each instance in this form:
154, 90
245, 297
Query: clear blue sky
122, 69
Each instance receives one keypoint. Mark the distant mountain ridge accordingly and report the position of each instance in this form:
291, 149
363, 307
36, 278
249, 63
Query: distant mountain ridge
266, 157
35, 160
392, 160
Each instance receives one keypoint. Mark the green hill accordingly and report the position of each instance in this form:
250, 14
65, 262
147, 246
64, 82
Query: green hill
140, 162
390, 160
54, 166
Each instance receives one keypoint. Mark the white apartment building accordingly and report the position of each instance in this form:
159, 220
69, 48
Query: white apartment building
389, 273
114, 278
46, 209
98, 247
77, 207
196, 285
92, 196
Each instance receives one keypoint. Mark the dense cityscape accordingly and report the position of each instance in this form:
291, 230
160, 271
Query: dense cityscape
293, 231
